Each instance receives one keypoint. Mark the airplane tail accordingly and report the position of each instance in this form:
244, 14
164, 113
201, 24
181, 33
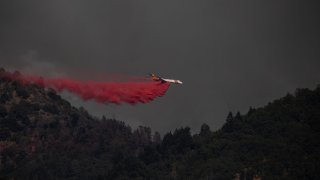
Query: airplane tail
154, 77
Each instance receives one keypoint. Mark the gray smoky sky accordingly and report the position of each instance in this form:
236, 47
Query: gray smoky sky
230, 54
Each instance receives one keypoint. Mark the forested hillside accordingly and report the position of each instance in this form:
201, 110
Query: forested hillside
43, 137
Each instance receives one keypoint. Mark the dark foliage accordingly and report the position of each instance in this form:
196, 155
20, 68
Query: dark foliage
43, 137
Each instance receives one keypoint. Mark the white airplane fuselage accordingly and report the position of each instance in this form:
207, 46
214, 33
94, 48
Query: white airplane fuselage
158, 78
172, 81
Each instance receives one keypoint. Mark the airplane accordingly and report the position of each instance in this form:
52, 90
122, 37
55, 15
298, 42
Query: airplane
163, 80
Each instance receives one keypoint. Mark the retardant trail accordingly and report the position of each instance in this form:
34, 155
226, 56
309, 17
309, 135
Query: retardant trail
102, 92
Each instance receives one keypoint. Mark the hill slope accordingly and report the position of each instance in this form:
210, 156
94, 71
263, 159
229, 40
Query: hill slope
43, 137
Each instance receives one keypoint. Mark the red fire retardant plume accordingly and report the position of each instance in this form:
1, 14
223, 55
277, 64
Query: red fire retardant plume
102, 92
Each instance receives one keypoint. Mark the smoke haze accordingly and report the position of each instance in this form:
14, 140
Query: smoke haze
230, 54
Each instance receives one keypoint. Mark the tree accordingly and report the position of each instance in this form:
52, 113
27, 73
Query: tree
205, 130
238, 116
229, 117
3, 111
142, 135
156, 138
